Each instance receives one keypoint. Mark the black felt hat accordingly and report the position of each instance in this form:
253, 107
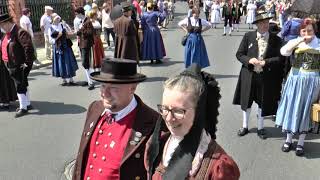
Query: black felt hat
5, 17
118, 71
261, 15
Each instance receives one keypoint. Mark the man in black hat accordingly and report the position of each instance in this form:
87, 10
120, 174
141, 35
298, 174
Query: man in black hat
261, 73
18, 56
126, 42
117, 126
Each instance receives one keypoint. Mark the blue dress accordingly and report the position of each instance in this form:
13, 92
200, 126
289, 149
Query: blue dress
152, 47
301, 90
195, 50
64, 63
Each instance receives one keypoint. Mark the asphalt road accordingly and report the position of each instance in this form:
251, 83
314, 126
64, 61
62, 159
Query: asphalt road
39, 146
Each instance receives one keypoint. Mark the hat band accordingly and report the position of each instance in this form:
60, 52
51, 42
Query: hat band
119, 77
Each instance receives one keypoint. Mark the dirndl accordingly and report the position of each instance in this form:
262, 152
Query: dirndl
195, 51
299, 93
64, 63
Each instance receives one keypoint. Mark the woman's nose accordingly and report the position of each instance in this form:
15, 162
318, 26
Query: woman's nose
170, 117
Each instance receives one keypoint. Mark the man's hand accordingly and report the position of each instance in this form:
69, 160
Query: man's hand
254, 61
262, 63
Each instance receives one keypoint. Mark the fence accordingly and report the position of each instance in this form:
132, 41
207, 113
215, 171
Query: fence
61, 7
3, 6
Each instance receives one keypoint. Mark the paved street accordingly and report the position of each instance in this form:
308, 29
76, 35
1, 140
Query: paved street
39, 146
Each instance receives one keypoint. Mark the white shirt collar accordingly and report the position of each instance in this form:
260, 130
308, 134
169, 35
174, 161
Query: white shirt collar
262, 35
124, 112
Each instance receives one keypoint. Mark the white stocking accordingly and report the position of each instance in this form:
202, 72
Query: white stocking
260, 119
246, 115
301, 139
289, 138
88, 76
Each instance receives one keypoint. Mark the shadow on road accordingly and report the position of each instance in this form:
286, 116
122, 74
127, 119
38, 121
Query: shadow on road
44, 108
37, 73
312, 150
166, 62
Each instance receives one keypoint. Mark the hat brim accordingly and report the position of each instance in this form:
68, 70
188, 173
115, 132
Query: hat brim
109, 78
5, 20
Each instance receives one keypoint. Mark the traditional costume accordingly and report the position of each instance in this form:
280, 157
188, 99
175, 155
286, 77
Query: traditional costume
228, 17
112, 143
236, 12
170, 157
97, 49
301, 90
215, 14
259, 84
195, 50
86, 40
64, 63
18, 64
8, 91
126, 46
251, 14
152, 46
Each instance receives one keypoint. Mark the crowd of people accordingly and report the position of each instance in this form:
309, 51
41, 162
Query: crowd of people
123, 138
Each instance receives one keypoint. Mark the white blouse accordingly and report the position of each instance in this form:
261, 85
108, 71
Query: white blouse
194, 22
314, 44
53, 28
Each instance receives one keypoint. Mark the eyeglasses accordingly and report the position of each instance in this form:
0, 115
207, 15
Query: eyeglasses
177, 113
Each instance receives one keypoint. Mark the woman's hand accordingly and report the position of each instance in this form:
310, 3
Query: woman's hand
307, 39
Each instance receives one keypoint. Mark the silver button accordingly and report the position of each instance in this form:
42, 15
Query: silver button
138, 134
100, 170
88, 133
97, 143
136, 139
94, 155
106, 145
88, 178
91, 166
137, 155
100, 131
109, 134
103, 158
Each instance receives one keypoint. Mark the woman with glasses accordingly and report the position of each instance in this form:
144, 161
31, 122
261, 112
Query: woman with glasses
189, 110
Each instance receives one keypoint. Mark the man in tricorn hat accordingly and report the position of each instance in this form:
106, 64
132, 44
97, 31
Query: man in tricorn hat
126, 43
18, 55
117, 126
261, 73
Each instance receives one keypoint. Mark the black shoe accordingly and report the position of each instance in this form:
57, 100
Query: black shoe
91, 87
21, 113
224, 34
262, 134
29, 107
72, 84
286, 147
83, 84
158, 61
299, 150
243, 131
64, 84
230, 34
151, 61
